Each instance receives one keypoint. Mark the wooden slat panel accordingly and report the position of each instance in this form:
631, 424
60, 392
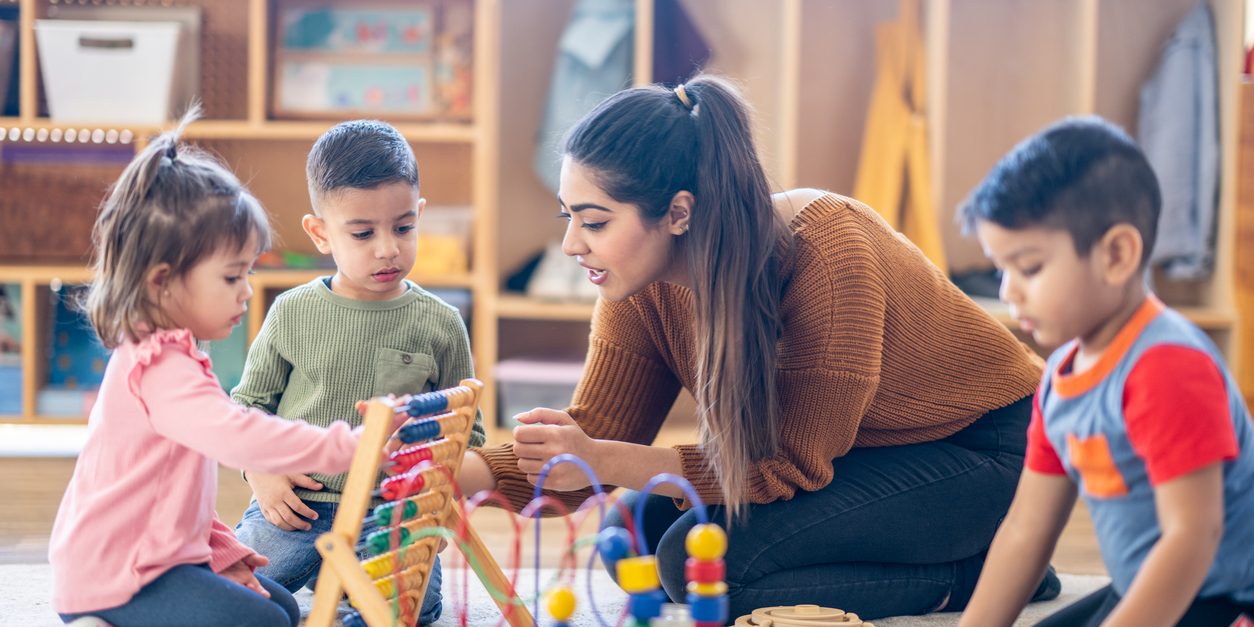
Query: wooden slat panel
1244, 261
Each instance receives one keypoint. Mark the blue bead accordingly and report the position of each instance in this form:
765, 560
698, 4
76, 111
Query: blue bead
426, 404
354, 620
708, 609
613, 543
419, 431
647, 605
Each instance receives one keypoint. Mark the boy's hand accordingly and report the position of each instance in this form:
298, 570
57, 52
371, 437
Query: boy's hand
279, 504
241, 572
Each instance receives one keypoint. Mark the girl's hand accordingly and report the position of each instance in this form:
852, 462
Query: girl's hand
545, 434
241, 572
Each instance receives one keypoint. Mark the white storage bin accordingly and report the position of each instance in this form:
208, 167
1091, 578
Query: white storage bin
103, 72
528, 383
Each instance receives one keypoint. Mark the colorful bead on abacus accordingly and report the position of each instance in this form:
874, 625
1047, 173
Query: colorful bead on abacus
705, 570
395, 512
411, 483
419, 431
406, 458
426, 404
409, 457
561, 605
637, 576
383, 540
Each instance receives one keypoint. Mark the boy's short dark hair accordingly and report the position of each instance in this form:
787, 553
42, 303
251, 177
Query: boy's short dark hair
1082, 175
361, 154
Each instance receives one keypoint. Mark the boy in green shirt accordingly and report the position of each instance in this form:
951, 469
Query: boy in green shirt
364, 332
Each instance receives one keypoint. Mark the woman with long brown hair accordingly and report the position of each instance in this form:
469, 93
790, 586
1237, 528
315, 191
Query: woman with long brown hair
862, 422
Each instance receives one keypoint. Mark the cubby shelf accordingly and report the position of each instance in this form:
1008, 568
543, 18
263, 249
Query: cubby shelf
994, 75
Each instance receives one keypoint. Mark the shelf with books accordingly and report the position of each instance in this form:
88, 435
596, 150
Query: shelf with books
44, 129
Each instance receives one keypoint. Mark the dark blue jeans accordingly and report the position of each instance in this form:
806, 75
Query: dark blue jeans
194, 595
1093, 609
294, 557
898, 530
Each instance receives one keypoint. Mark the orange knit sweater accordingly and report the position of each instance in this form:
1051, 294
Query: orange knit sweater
878, 349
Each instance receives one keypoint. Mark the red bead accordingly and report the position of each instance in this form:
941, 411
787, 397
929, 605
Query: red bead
702, 571
407, 458
401, 486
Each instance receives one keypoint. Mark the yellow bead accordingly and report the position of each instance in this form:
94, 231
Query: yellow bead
561, 604
706, 542
637, 574
713, 589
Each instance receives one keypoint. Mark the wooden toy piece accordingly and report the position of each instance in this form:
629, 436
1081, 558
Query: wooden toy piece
800, 616
387, 588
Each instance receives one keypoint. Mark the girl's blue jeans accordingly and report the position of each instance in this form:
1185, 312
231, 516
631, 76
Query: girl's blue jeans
193, 595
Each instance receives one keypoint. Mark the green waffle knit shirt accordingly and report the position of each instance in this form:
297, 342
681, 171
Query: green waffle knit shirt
318, 353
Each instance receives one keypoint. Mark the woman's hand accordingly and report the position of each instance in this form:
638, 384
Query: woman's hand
241, 572
545, 434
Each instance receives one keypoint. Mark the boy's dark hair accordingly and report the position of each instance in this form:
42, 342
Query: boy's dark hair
361, 154
1082, 175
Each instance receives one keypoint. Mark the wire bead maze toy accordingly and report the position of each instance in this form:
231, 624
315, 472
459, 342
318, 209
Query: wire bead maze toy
420, 507
626, 553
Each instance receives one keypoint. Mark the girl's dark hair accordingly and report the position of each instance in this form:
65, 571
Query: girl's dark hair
643, 146
173, 204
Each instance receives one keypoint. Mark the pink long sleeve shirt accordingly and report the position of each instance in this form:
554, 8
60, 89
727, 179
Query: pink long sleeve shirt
141, 500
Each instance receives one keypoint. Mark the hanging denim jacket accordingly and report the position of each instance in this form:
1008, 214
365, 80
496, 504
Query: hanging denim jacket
594, 61
1179, 131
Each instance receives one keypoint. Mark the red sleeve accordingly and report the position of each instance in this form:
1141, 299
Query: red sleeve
1041, 456
1175, 406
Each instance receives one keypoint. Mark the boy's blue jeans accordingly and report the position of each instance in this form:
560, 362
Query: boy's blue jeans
193, 595
294, 560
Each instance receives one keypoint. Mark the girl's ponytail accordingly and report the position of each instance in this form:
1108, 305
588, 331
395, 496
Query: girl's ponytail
174, 205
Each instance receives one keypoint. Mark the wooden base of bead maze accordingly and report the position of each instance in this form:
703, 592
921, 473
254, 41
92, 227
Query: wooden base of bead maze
342, 572
800, 616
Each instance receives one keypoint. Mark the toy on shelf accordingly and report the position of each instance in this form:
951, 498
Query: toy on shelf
388, 587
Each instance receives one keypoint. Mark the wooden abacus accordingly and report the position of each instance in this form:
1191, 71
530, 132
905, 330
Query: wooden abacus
387, 589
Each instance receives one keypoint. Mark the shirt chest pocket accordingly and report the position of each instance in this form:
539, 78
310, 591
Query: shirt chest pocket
399, 372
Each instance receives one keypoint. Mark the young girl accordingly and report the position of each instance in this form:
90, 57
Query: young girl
136, 540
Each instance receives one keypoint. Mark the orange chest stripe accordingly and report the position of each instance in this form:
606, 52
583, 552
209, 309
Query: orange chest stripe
1092, 458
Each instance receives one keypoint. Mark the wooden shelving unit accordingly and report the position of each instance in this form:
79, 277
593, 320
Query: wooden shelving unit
1245, 244
448, 133
456, 160
996, 72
